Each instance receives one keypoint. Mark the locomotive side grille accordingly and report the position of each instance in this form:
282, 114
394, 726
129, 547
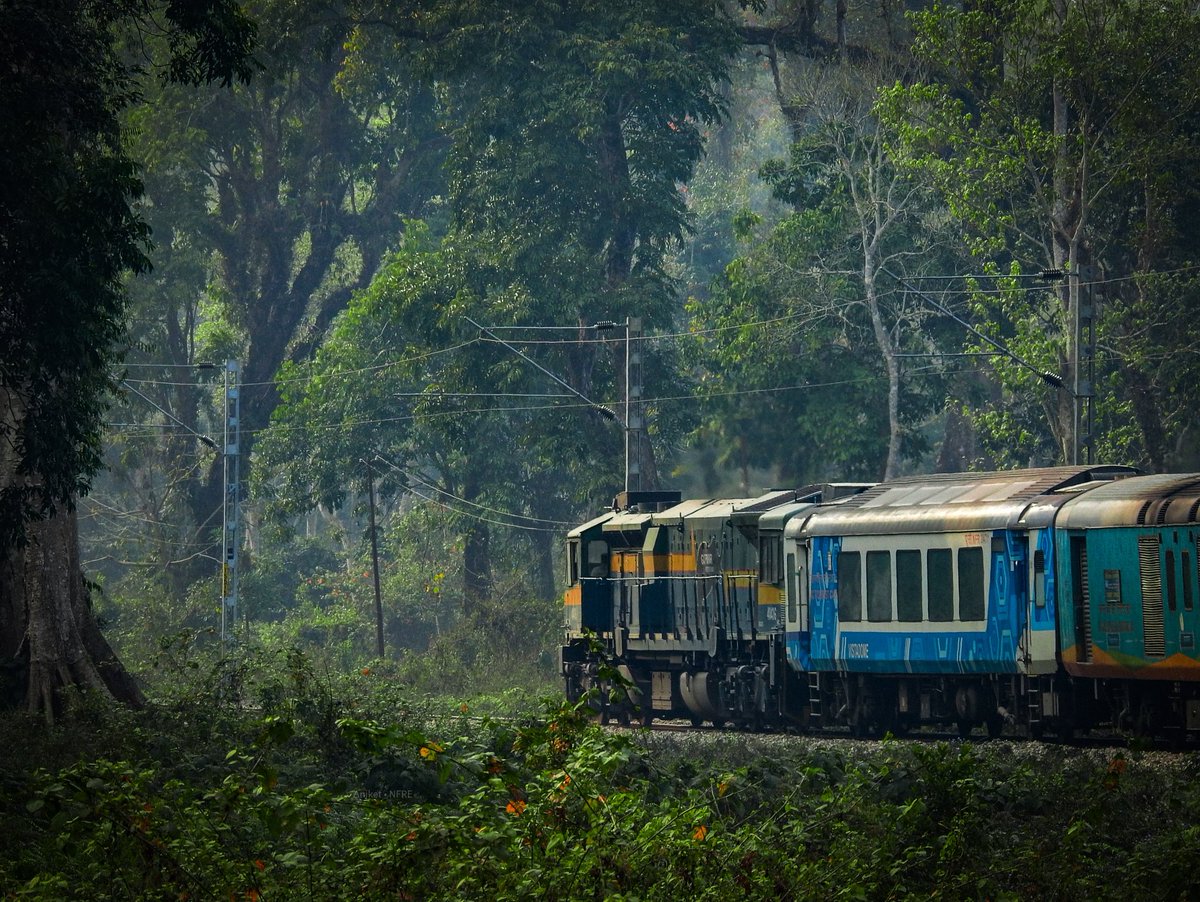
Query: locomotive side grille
1152, 602
1162, 511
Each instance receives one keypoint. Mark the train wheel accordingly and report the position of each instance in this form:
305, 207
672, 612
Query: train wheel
964, 728
995, 726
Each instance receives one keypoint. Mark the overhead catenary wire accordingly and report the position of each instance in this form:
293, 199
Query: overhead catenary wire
409, 474
479, 517
279, 428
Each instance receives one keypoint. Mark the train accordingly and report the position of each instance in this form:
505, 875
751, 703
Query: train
1043, 602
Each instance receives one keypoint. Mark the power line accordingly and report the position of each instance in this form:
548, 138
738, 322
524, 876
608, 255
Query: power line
404, 471
479, 517
203, 438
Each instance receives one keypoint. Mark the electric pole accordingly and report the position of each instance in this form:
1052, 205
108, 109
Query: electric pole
375, 564
231, 507
1083, 366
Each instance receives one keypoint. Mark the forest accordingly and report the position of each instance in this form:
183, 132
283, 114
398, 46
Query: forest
322, 321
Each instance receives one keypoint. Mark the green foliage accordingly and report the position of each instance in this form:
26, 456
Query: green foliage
300, 786
71, 234
1061, 138
812, 297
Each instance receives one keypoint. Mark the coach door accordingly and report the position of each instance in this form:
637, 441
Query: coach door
627, 570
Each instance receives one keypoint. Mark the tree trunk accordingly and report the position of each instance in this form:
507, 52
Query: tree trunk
48, 637
888, 350
544, 560
477, 555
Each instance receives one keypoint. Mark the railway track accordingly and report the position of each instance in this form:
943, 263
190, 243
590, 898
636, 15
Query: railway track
1093, 740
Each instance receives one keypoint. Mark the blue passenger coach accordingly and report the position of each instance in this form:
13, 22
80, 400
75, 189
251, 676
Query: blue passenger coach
926, 597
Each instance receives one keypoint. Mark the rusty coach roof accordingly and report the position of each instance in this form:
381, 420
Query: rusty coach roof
1158, 500
952, 502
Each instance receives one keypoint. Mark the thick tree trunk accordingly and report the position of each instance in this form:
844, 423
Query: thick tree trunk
49, 638
477, 555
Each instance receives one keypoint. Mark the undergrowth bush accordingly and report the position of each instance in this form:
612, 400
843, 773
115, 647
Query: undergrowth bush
275, 781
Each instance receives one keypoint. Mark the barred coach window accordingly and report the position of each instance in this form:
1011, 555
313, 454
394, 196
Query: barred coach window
908, 586
849, 587
940, 565
970, 584
879, 586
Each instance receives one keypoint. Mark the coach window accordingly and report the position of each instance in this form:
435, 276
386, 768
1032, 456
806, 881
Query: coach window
572, 562
970, 584
597, 551
908, 586
792, 598
1039, 579
939, 566
766, 562
849, 587
879, 586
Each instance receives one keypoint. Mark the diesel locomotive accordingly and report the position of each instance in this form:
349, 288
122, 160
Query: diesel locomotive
1042, 601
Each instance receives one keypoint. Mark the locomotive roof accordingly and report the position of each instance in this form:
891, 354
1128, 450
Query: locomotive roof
673, 516
627, 521
767, 510
1157, 500
590, 524
951, 502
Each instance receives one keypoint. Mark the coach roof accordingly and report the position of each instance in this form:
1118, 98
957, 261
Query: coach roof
1159, 500
952, 502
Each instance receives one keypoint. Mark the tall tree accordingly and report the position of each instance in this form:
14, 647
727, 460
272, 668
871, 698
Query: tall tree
1059, 134
827, 278
573, 126
573, 170
271, 204
69, 236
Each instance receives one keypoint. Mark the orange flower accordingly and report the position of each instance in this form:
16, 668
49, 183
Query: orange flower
366, 671
699, 833
258, 863
515, 807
